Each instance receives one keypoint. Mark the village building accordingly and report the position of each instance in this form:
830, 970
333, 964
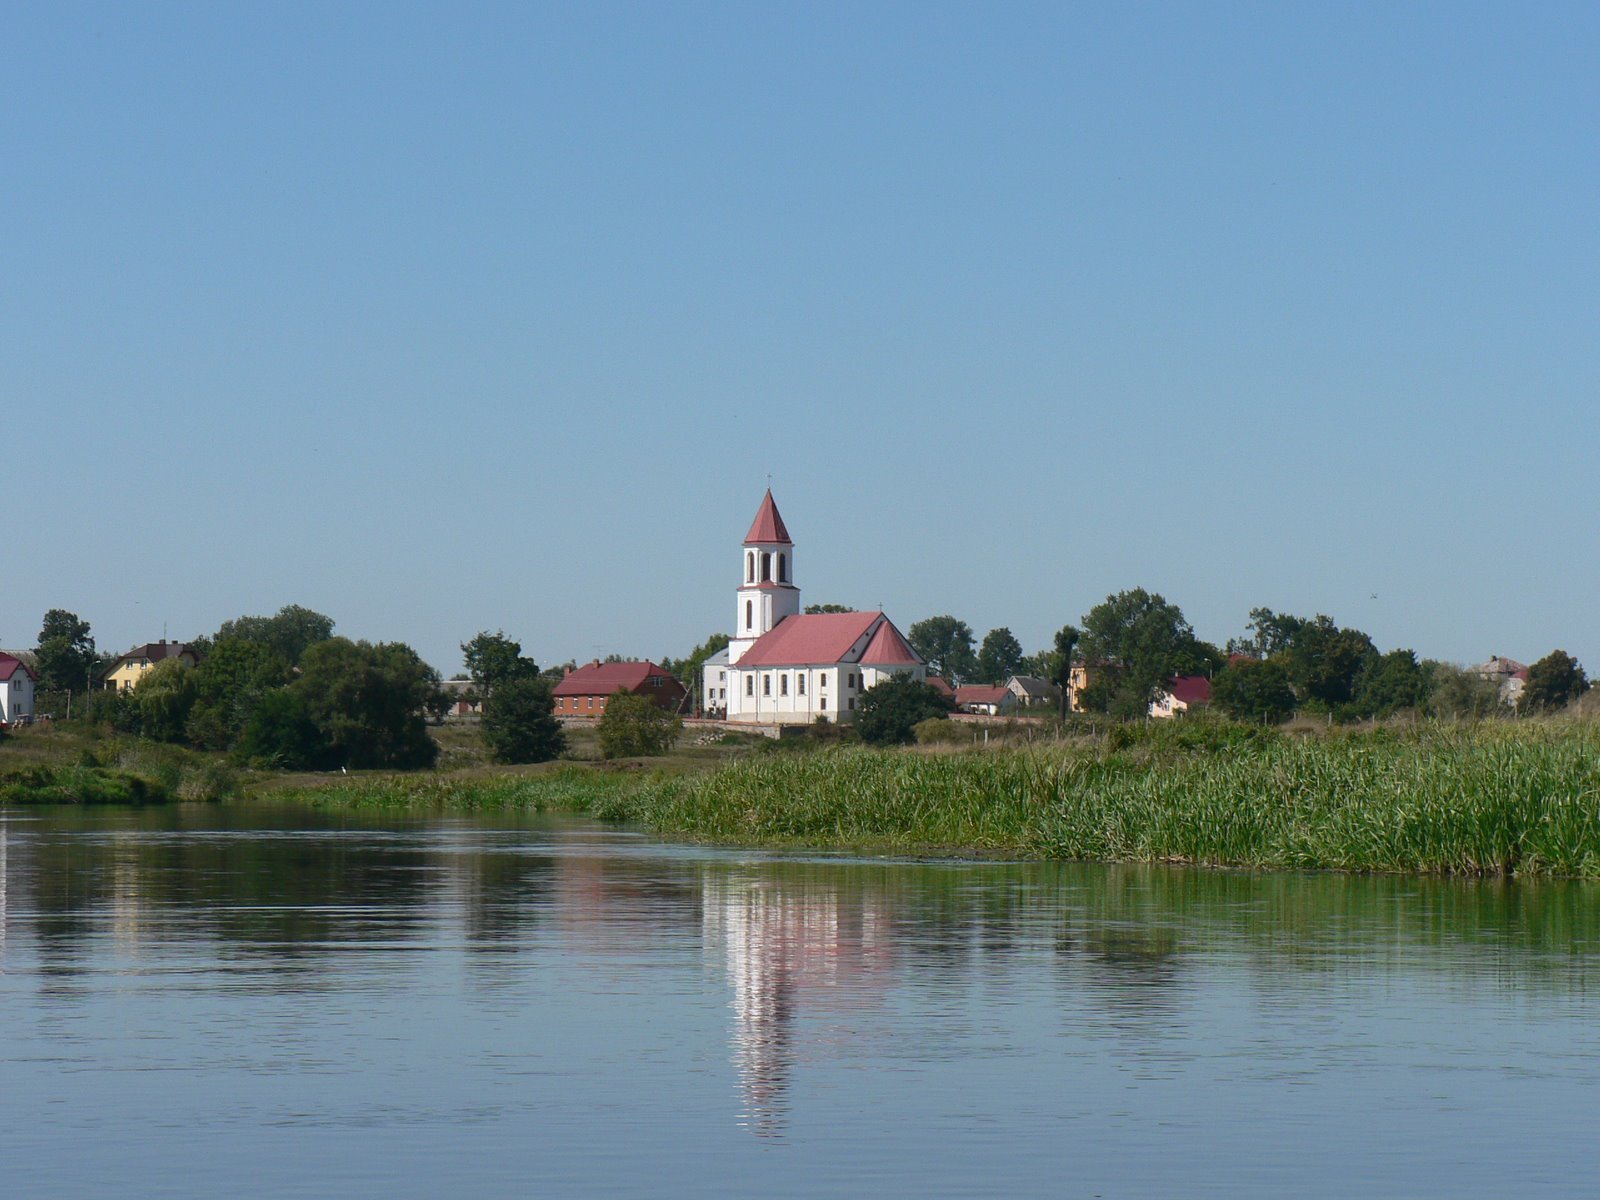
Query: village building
1507, 674
985, 700
789, 667
1030, 691
1180, 695
714, 684
16, 690
583, 692
124, 674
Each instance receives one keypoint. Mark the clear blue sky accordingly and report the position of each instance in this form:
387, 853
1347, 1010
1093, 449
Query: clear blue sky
443, 317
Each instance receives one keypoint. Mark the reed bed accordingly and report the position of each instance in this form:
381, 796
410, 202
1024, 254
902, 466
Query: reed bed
1518, 799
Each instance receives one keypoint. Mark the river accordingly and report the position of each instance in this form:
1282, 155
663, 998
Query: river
198, 1002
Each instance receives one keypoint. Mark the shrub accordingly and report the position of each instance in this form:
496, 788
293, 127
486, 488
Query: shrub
636, 725
519, 725
889, 712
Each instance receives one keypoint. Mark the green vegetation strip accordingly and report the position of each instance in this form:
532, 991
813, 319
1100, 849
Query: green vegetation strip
1496, 799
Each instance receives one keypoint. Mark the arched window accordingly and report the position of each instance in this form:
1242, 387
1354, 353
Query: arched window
766, 567
750, 567
783, 569
749, 615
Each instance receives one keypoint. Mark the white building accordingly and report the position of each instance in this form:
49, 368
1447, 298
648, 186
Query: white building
16, 690
789, 667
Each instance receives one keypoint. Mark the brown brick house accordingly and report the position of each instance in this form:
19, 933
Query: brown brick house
584, 691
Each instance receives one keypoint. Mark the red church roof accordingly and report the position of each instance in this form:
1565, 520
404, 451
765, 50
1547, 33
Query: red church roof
888, 649
602, 679
768, 526
10, 664
808, 638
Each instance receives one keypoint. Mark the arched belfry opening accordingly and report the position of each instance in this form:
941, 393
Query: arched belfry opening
766, 567
783, 568
750, 566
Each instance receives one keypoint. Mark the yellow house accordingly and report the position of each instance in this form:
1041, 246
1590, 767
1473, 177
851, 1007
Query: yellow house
130, 668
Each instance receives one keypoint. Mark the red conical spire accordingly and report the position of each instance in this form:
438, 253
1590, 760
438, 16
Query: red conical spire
768, 526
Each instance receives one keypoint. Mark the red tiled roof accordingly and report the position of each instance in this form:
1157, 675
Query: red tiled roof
9, 663
808, 638
157, 651
938, 684
602, 679
888, 648
1190, 689
768, 525
980, 693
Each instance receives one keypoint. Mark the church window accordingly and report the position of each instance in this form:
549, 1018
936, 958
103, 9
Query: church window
766, 685
749, 685
783, 569
852, 701
800, 684
783, 684
823, 704
749, 615
766, 567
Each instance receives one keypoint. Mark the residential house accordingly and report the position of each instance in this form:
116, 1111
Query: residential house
984, 699
16, 690
939, 684
129, 668
464, 698
1032, 692
1180, 695
1508, 674
584, 691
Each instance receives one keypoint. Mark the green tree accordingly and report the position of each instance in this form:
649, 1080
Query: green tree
1254, 691
888, 712
519, 724
65, 658
291, 631
1062, 658
635, 725
1553, 682
370, 702
230, 681
162, 699
1391, 683
281, 733
945, 644
1269, 633
813, 609
1000, 656
1461, 692
493, 659
1139, 641
1325, 661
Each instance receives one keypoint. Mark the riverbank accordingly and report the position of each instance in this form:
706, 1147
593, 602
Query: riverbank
1496, 798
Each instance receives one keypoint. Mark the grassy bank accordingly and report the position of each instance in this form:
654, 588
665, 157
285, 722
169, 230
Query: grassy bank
1494, 798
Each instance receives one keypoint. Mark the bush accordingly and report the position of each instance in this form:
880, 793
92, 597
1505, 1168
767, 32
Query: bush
942, 731
889, 712
519, 725
634, 725
281, 733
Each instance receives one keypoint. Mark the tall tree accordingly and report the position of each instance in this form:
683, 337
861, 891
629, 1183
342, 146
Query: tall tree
1553, 682
1062, 657
519, 724
493, 659
231, 680
65, 656
1254, 690
291, 631
945, 644
1000, 656
1269, 633
1325, 661
370, 702
1139, 641
1391, 683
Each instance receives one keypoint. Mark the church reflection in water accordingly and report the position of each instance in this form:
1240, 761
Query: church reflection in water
796, 956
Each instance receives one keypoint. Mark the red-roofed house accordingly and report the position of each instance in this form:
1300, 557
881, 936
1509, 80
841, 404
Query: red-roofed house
1182, 693
16, 690
984, 700
584, 691
789, 667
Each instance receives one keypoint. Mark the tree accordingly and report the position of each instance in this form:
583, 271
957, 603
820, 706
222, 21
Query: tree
65, 657
1139, 641
813, 609
1325, 661
688, 670
1553, 682
1459, 692
945, 644
1270, 633
369, 702
1000, 658
162, 699
230, 681
1061, 663
280, 733
1391, 683
636, 725
888, 712
519, 724
493, 659
1254, 691
291, 631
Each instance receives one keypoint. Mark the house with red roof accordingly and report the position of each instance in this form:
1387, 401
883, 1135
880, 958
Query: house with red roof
16, 690
1180, 695
584, 691
788, 667
984, 700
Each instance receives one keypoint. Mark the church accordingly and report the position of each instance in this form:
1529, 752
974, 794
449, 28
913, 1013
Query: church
786, 667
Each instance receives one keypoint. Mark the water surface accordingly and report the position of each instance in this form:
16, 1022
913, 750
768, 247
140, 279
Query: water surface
197, 1002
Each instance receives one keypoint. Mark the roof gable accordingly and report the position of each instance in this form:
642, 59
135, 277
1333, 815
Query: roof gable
768, 526
888, 648
1190, 689
10, 664
809, 638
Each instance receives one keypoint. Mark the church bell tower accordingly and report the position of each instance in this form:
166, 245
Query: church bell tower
767, 591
